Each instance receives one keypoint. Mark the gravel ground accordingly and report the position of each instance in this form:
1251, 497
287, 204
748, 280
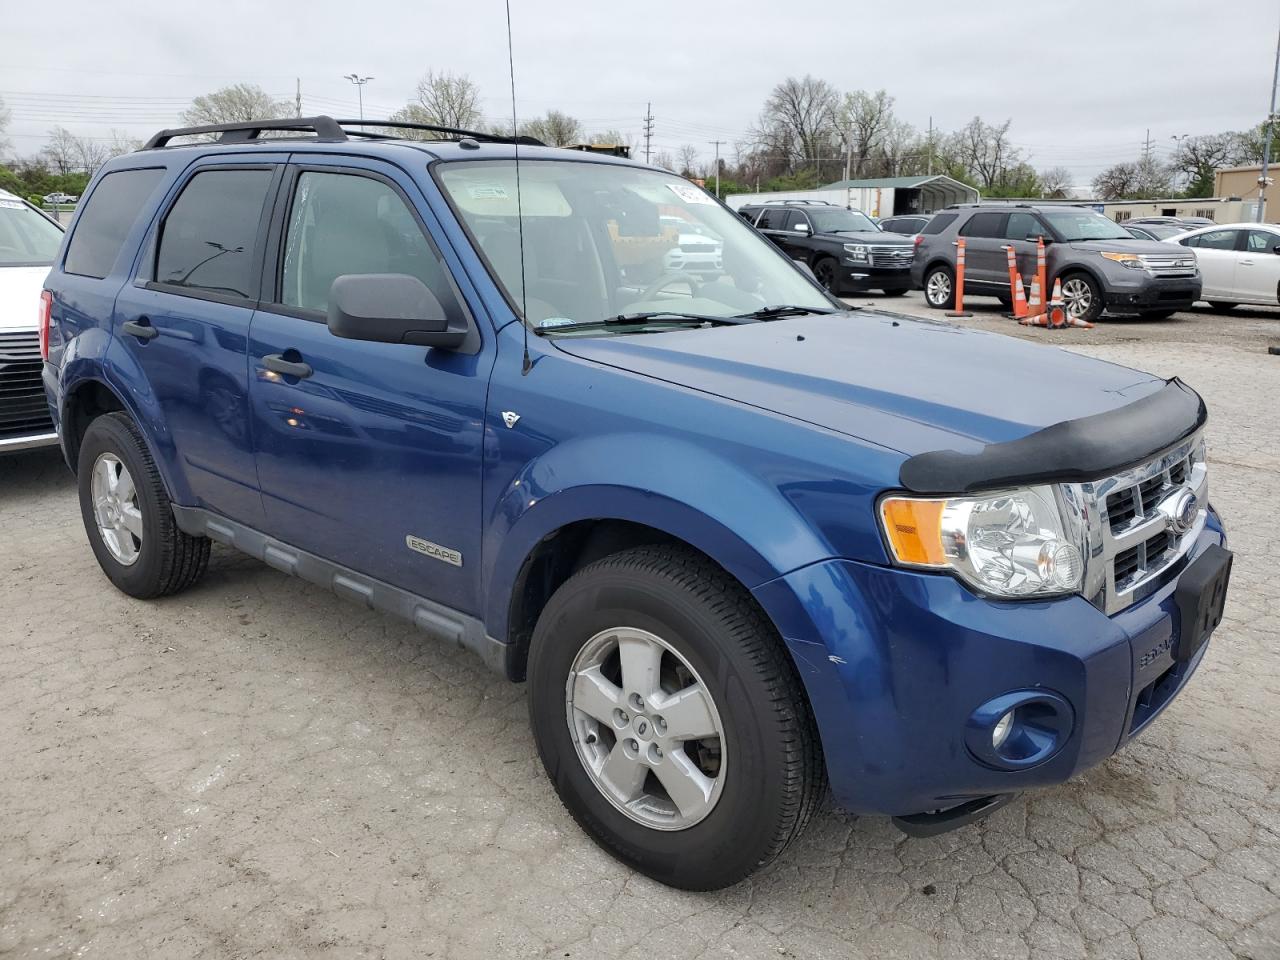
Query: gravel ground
256, 768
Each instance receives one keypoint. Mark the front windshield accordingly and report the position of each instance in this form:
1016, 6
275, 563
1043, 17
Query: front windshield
605, 240
839, 220
26, 238
1084, 225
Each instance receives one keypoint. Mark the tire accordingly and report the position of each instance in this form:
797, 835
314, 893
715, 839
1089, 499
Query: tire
132, 531
1222, 306
825, 272
1157, 314
1083, 296
764, 764
893, 293
940, 287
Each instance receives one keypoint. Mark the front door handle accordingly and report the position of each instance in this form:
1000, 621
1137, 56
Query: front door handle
1246, 263
140, 328
288, 368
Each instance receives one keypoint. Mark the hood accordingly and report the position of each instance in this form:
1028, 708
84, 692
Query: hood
906, 384
869, 236
1132, 245
20, 297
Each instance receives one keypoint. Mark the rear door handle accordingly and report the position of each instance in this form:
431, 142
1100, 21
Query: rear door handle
1246, 263
140, 328
288, 368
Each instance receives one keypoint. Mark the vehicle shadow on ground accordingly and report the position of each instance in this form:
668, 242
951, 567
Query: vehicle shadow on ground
33, 472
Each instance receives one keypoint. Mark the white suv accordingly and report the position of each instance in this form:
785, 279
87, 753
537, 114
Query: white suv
29, 243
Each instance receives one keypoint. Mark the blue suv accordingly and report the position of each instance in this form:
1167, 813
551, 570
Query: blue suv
740, 540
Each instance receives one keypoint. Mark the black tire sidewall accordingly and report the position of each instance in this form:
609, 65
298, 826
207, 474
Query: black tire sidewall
832, 283
727, 844
108, 434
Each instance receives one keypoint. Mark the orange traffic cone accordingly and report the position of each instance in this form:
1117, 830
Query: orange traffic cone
1036, 316
1019, 299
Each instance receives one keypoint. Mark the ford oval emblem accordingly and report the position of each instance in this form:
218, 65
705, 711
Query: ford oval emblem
1180, 510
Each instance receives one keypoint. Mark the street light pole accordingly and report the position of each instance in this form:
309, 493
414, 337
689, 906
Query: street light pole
359, 81
1266, 147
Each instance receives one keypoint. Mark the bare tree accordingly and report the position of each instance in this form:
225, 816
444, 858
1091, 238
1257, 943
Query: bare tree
663, 159
687, 160
864, 119
1197, 158
985, 152
4, 125
799, 122
238, 103
61, 153
1140, 180
556, 129
443, 100
1056, 182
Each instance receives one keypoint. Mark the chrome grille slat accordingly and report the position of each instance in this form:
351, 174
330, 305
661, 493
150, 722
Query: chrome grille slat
1129, 544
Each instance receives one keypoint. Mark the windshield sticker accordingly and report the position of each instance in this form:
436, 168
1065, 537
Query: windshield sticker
555, 322
11, 205
487, 191
689, 193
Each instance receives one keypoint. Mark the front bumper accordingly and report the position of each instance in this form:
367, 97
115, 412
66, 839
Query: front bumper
860, 276
896, 663
1151, 293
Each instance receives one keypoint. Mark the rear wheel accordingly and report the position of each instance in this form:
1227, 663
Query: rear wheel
940, 287
1222, 306
670, 718
1082, 296
128, 516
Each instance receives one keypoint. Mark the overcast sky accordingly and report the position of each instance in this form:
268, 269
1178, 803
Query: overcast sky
1082, 81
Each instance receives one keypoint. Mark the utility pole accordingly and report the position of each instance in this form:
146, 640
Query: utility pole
1266, 147
930, 142
716, 144
359, 81
297, 99
648, 130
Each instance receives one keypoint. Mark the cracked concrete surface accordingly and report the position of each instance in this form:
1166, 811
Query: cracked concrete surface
256, 768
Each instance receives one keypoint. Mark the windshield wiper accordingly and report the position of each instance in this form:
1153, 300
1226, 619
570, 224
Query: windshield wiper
647, 318
782, 310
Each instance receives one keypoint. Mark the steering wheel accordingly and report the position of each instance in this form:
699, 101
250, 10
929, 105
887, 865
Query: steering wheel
666, 280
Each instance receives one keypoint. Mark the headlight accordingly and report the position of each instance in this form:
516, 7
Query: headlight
1130, 260
856, 251
1007, 544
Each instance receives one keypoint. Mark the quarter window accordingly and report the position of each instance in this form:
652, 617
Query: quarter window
208, 240
110, 213
1262, 241
939, 223
345, 223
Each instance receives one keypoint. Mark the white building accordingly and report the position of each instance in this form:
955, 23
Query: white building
880, 197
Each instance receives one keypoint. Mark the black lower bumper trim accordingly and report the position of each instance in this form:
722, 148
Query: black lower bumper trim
942, 821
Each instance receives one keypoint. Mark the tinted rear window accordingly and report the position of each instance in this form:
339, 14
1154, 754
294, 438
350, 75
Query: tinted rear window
207, 242
112, 210
939, 223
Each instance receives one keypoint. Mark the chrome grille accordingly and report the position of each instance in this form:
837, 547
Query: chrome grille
892, 256
1126, 526
23, 409
1171, 265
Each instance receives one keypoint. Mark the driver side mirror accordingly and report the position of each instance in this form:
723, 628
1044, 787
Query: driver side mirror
389, 308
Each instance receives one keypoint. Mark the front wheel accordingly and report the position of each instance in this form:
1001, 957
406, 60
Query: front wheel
940, 288
1082, 297
670, 718
825, 271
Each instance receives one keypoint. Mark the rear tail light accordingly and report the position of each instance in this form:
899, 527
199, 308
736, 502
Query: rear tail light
46, 314
919, 239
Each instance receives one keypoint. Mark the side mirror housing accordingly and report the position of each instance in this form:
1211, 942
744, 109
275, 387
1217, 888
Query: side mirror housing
802, 228
389, 308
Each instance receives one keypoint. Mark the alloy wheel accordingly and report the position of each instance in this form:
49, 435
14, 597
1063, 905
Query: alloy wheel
646, 728
938, 288
1078, 296
116, 510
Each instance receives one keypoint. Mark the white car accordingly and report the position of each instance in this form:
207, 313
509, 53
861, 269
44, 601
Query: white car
1239, 262
697, 250
29, 243
59, 198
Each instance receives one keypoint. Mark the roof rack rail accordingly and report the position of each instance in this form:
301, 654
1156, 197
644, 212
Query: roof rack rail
807, 203
325, 128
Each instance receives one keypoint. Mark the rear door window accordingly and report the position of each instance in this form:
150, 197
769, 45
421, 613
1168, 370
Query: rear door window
110, 213
1214, 240
1262, 241
771, 219
208, 242
984, 225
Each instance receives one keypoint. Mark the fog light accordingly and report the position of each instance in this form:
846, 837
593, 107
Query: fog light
1001, 731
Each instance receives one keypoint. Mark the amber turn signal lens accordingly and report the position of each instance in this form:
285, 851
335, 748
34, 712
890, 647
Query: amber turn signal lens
914, 529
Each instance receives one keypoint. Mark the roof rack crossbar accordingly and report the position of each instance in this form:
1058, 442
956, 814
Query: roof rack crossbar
325, 128
432, 128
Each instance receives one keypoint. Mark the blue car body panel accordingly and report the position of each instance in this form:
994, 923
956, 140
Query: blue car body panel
765, 446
